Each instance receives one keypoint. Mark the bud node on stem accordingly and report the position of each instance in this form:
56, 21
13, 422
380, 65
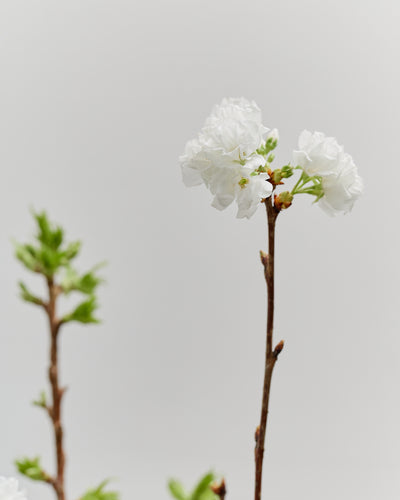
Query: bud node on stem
278, 348
257, 434
264, 258
219, 489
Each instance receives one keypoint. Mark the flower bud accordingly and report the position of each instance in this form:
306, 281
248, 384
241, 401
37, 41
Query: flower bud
264, 258
283, 200
276, 177
278, 348
287, 171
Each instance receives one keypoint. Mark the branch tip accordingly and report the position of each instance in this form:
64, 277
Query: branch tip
278, 348
219, 489
264, 258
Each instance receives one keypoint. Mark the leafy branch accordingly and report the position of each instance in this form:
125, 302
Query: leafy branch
52, 258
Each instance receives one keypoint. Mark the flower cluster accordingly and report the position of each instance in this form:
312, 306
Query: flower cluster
322, 158
225, 157
232, 157
9, 489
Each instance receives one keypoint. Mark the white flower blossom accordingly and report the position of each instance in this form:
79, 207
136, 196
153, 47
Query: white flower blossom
323, 157
342, 188
224, 156
317, 154
9, 489
249, 197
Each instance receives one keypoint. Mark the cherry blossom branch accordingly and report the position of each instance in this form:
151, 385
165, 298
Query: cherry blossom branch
240, 170
271, 355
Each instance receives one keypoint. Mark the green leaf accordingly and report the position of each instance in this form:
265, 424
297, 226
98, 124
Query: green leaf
26, 295
83, 313
203, 487
41, 401
50, 235
177, 490
50, 260
86, 283
89, 282
42, 260
30, 467
202, 490
27, 255
287, 171
72, 250
99, 493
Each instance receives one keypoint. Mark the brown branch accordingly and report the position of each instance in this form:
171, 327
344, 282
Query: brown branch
271, 354
56, 391
47, 478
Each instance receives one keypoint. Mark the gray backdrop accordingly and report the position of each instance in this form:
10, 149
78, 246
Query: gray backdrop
97, 101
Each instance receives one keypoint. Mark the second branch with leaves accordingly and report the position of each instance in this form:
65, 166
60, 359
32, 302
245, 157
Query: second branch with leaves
52, 258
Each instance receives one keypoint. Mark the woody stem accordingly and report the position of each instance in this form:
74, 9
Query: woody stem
271, 354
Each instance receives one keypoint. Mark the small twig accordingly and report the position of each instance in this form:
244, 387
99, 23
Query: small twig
49, 479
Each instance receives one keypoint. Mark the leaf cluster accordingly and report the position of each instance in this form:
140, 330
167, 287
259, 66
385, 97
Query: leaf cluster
49, 252
83, 312
50, 256
201, 491
30, 467
99, 493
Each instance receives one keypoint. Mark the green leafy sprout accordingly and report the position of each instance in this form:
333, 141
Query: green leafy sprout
99, 493
50, 256
201, 491
30, 467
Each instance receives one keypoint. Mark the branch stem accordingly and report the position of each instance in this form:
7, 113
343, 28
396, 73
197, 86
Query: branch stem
56, 390
271, 354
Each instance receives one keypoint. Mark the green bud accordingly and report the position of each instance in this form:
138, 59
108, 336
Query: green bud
276, 176
271, 144
41, 401
243, 181
271, 158
30, 467
283, 200
287, 171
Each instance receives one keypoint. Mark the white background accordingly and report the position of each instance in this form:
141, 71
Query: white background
97, 100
